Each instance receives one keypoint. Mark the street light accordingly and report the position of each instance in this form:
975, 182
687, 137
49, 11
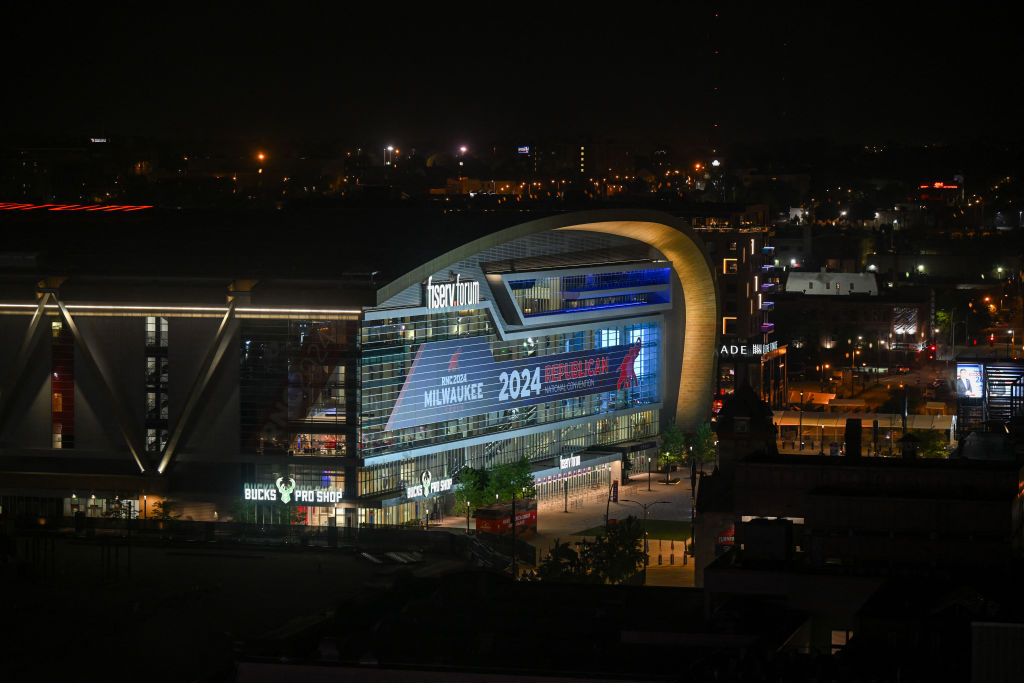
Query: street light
645, 506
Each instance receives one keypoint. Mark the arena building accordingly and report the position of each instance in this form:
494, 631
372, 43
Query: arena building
571, 340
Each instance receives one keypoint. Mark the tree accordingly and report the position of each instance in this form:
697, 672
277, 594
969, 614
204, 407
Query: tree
613, 557
702, 444
471, 492
618, 555
930, 443
165, 510
564, 564
511, 480
673, 448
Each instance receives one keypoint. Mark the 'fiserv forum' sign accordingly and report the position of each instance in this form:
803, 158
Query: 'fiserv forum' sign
454, 293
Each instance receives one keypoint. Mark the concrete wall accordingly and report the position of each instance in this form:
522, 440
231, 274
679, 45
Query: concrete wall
28, 423
118, 346
215, 423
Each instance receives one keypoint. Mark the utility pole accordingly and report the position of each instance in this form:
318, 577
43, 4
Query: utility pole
646, 506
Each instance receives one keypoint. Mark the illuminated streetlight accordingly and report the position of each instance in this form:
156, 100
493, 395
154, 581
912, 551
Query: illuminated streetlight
646, 506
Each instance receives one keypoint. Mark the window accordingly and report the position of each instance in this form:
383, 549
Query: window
156, 384
62, 386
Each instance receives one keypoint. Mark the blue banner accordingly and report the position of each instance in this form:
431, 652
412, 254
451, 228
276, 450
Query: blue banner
460, 377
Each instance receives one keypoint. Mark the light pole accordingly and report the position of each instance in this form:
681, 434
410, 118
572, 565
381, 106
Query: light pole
646, 506
515, 574
800, 429
953, 336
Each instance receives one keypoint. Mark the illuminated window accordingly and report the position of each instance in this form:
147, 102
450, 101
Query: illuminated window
62, 386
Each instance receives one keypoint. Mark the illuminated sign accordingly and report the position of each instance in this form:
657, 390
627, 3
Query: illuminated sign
446, 294
969, 380
571, 461
748, 350
524, 149
460, 377
285, 490
428, 486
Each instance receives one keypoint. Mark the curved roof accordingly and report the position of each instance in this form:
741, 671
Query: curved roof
669, 235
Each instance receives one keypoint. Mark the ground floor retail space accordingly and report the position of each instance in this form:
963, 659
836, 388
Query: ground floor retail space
880, 433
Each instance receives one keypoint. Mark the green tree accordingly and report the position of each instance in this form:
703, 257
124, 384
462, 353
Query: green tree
472, 491
165, 510
565, 564
614, 557
930, 443
702, 444
618, 555
510, 480
673, 448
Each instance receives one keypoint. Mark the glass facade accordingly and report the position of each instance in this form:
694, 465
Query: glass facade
305, 477
157, 333
555, 294
390, 350
293, 389
62, 386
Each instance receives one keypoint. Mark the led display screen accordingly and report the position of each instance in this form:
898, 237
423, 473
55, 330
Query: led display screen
460, 377
969, 380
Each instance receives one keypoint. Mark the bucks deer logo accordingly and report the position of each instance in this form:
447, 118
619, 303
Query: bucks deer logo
285, 489
425, 478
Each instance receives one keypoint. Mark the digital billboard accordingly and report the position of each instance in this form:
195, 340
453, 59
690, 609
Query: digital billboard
969, 380
460, 377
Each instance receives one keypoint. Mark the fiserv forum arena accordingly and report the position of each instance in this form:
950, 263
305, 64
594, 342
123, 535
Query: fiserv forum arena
349, 373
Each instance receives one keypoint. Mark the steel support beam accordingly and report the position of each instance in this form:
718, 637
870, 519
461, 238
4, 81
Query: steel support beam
125, 421
206, 372
16, 375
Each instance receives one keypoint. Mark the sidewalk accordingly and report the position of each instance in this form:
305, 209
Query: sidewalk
587, 510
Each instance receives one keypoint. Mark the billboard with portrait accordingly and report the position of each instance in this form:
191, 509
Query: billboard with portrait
970, 378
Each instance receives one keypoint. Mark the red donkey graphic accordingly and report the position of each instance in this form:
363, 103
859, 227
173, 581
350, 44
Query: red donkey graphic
627, 377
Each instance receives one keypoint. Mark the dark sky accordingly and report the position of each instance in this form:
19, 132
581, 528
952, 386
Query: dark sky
447, 73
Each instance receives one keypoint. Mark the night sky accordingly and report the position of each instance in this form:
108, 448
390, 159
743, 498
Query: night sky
439, 74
